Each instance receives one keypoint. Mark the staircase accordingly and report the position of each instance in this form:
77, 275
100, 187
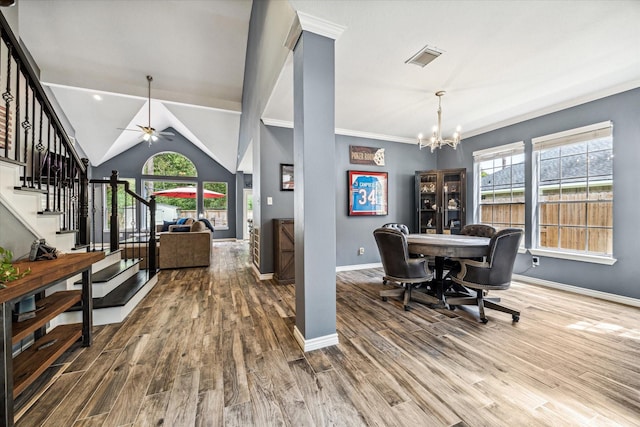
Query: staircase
118, 284
45, 192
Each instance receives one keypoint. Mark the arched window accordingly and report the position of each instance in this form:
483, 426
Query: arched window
169, 164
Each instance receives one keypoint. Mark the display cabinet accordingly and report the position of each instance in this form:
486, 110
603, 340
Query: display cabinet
440, 201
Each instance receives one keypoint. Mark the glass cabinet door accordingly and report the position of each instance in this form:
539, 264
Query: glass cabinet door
440, 201
428, 203
452, 217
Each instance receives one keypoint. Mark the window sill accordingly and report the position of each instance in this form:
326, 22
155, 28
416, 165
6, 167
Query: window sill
595, 259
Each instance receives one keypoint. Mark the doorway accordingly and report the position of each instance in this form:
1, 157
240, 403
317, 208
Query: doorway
247, 213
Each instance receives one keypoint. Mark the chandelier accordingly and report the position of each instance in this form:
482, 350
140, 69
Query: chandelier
436, 140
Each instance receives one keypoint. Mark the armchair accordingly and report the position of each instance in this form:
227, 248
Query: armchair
494, 273
398, 267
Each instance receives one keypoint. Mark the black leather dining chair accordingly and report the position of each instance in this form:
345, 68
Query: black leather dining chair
479, 230
397, 226
398, 267
494, 273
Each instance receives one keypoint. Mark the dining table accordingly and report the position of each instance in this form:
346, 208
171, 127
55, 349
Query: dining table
442, 246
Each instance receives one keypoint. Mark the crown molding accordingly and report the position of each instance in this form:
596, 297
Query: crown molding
305, 22
345, 132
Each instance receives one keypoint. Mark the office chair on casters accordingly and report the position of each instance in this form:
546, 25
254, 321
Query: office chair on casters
494, 273
479, 230
398, 267
397, 226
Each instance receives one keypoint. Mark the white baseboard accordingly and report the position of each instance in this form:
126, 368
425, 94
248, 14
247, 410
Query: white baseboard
314, 343
261, 276
358, 266
578, 290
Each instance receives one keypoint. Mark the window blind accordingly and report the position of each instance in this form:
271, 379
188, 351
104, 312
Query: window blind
512, 149
572, 136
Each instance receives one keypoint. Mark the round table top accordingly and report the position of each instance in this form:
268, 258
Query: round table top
448, 245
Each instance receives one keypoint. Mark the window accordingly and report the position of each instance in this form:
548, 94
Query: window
573, 188
169, 164
215, 203
499, 192
126, 206
180, 203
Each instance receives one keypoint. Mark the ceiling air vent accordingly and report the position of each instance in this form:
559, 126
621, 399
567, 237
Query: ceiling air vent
424, 56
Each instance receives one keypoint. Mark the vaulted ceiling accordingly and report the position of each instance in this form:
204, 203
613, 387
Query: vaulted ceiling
502, 62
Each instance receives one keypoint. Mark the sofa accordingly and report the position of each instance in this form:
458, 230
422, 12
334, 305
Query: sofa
190, 248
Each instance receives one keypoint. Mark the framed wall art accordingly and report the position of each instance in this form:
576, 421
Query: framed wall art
286, 177
368, 193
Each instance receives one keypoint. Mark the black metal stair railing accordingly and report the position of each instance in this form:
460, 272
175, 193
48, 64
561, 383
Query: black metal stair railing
32, 137
122, 220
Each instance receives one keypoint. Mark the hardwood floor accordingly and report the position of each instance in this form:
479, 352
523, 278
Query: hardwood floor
214, 347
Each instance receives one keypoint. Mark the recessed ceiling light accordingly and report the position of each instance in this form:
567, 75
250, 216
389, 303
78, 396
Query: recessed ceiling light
97, 97
424, 56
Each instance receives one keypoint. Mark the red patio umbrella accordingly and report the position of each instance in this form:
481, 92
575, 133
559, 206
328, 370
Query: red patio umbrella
187, 193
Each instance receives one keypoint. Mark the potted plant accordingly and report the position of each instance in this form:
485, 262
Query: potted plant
8, 271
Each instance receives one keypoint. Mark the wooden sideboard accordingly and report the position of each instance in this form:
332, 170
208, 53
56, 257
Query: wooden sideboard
283, 251
17, 374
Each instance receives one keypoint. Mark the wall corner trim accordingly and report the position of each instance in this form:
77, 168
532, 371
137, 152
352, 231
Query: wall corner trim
314, 343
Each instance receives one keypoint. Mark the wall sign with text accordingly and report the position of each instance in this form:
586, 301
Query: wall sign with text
366, 155
368, 193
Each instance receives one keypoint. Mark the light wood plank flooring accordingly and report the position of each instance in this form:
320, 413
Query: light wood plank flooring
214, 347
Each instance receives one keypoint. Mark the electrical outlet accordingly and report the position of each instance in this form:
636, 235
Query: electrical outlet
361, 251
535, 261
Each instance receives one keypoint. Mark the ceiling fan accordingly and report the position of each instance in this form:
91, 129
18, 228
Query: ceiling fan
149, 134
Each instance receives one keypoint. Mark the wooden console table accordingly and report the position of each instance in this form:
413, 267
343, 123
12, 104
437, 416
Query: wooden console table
17, 374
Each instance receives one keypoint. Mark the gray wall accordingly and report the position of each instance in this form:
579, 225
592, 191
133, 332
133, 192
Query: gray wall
14, 236
352, 232
622, 277
129, 165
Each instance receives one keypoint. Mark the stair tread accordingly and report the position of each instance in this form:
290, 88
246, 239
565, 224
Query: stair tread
111, 271
30, 190
123, 293
120, 295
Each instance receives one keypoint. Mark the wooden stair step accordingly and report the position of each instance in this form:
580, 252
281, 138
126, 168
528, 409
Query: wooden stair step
112, 271
121, 295
30, 189
66, 231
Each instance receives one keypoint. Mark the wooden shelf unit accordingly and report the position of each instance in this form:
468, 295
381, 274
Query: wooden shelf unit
19, 372
32, 362
48, 308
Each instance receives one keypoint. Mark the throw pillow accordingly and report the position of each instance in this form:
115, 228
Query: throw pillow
207, 223
186, 228
198, 226
166, 224
181, 221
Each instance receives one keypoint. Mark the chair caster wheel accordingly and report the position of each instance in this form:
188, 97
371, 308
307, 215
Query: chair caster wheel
515, 318
384, 299
384, 282
485, 320
407, 308
452, 307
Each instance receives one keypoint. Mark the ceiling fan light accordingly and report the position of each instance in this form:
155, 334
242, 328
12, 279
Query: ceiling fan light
146, 136
154, 138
